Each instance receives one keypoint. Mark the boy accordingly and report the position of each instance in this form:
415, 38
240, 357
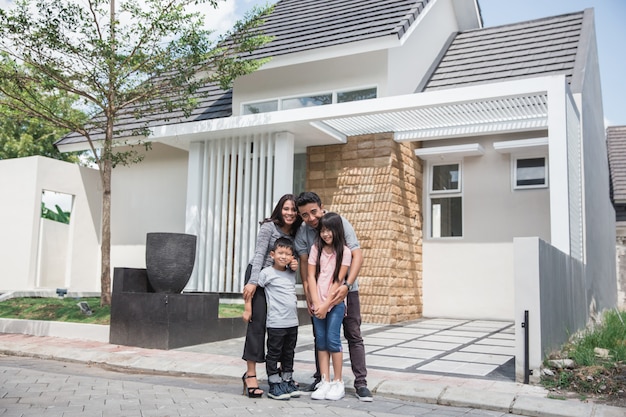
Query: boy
311, 210
279, 282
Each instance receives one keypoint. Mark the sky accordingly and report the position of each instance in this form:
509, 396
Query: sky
609, 22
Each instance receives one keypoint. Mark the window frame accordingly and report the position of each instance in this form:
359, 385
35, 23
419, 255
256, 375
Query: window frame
443, 194
333, 94
251, 103
514, 171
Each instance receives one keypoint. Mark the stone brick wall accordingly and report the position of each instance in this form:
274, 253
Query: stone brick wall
376, 184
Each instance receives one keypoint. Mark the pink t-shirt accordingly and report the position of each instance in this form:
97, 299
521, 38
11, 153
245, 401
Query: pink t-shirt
327, 269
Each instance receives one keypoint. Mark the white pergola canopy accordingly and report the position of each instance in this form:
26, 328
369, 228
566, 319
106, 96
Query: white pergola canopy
525, 112
510, 106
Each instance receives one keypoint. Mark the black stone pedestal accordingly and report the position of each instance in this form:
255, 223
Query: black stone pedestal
143, 318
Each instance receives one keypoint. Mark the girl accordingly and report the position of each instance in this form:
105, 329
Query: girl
328, 266
283, 222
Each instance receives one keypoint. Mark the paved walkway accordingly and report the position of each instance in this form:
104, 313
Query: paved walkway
476, 348
457, 363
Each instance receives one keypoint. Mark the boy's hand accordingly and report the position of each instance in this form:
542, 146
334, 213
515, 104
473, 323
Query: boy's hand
293, 265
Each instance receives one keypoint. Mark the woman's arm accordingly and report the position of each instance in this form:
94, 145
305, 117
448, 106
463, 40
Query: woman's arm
260, 252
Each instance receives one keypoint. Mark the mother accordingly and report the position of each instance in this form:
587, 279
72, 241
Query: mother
283, 222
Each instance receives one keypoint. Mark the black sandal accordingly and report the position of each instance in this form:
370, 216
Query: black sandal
252, 392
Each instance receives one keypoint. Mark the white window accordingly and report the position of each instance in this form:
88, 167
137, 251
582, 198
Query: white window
356, 95
306, 101
260, 107
309, 100
446, 202
530, 173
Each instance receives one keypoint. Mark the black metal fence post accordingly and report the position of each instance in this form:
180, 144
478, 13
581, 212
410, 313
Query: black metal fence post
526, 348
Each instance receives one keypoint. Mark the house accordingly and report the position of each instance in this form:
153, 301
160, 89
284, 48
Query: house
616, 143
470, 160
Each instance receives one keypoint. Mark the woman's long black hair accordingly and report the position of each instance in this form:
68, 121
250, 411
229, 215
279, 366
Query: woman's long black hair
277, 215
332, 222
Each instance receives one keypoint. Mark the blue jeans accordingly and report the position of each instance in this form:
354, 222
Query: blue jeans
328, 330
352, 333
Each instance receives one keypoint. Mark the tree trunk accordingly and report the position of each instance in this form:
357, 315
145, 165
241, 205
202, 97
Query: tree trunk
105, 248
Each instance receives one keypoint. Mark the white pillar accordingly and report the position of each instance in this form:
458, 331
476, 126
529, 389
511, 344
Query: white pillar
558, 166
283, 164
193, 206
527, 298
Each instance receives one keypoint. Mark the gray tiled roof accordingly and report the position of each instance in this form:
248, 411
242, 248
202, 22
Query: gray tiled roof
527, 49
300, 25
539, 47
295, 25
616, 144
214, 103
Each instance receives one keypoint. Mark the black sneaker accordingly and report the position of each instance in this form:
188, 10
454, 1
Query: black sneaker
364, 394
278, 391
313, 386
292, 388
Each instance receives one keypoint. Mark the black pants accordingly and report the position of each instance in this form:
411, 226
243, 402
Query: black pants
254, 346
281, 347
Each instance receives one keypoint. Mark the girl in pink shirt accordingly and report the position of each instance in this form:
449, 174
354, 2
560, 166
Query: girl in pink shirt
328, 266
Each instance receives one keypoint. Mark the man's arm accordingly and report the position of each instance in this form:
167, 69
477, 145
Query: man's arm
355, 266
304, 275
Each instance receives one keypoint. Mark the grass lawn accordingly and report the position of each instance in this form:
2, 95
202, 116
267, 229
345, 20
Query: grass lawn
66, 309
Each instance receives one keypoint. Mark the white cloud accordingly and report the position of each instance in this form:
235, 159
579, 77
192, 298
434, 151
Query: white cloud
5, 4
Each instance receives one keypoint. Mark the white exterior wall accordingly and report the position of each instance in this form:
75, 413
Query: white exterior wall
410, 63
479, 266
468, 280
550, 286
312, 78
53, 243
22, 181
147, 197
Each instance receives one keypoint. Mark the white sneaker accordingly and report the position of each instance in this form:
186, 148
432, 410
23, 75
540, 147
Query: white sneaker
321, 391
337, 391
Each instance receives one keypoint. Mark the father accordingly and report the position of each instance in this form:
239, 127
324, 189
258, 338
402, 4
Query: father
311, 210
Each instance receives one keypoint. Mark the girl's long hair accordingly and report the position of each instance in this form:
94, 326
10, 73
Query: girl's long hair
332, 222
277, 215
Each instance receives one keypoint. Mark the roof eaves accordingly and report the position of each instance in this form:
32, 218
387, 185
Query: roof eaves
403, 26
587, 39
334, 51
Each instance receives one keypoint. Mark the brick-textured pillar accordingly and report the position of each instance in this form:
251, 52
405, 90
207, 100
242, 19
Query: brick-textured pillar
376, 184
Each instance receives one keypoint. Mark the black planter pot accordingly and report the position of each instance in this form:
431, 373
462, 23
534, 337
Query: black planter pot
170, 258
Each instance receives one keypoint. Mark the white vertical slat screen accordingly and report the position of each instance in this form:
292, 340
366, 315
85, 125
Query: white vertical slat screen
236, 177
574, 157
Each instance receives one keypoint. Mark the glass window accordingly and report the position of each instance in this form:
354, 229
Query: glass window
530, 173
308, 101
446, 217
260, 107
446, 202
445, 177
356, 95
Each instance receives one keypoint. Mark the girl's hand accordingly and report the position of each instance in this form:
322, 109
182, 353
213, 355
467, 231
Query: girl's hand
321, 312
